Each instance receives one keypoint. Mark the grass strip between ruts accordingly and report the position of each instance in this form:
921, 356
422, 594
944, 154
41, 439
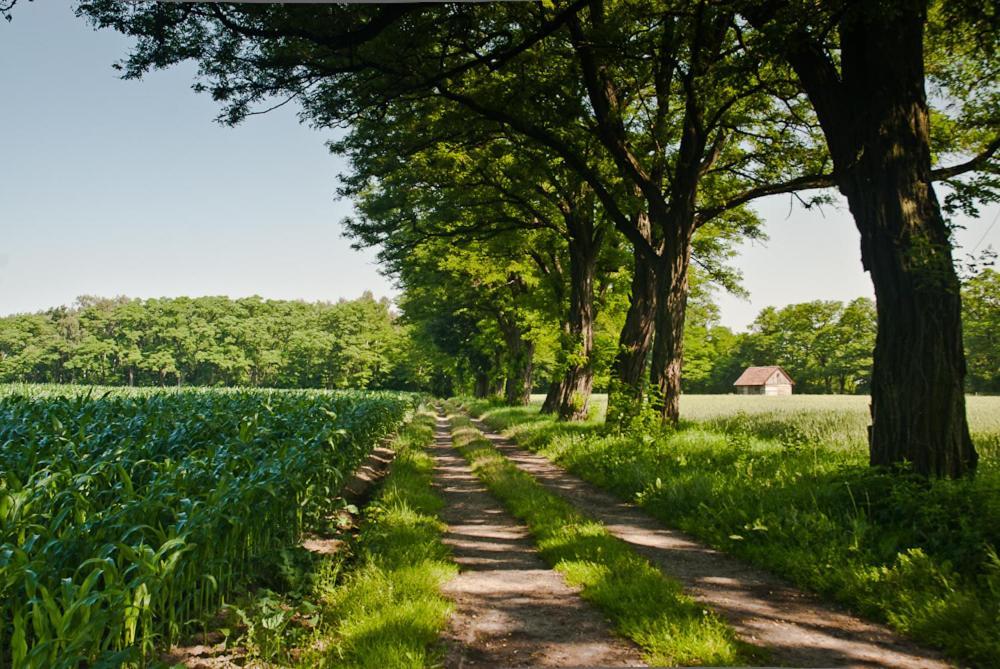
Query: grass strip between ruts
781, 490
389, 610
645, 605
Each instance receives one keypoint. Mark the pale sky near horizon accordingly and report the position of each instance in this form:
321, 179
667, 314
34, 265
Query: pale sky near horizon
111, 187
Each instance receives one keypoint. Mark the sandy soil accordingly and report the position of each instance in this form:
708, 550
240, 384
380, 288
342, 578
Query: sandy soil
510, 609
799, 629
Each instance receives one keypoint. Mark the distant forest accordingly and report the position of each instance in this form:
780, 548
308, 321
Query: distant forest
211, 341
216, 341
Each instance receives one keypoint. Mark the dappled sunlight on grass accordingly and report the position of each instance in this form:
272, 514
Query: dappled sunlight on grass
389, 611
789, 488
645, 605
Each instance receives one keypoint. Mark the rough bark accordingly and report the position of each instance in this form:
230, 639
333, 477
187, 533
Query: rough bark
519, 364
517, 390
495, 380
551, 402
875, 119
576, 386
481, 389
628, 371
668, 344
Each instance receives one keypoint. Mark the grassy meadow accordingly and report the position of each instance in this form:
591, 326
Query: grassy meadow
836, 421
784, 483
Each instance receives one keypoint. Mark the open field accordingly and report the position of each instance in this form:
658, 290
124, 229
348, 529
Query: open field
832, 420
127, 516
784, 483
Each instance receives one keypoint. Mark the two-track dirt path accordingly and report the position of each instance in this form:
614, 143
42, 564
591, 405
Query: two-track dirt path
511, 610
799, 629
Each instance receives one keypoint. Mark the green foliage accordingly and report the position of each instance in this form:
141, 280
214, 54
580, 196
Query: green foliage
213, 341
791, 491
128, 517
981, 331
826, 346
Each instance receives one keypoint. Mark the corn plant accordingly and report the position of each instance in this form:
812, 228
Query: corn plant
128, 516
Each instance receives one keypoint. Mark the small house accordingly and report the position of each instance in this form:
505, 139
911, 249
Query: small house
772, 380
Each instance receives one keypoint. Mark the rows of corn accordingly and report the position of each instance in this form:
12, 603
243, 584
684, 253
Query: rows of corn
127, 517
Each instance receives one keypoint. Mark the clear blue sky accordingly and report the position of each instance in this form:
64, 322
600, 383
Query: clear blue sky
111, 187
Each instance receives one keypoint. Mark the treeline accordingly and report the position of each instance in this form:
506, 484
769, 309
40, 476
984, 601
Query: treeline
543, 178
827, 346
213, 341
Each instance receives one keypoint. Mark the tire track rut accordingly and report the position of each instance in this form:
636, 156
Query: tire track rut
511, 610
799, 629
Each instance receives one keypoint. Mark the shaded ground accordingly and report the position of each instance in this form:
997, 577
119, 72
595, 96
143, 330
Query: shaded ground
510, 609
799, 629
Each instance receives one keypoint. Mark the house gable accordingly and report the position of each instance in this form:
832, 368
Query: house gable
771, 375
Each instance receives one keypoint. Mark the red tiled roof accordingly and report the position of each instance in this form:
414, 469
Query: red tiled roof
758, 376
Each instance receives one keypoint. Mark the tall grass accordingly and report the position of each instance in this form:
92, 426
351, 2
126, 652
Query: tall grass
126, 516
789, 488
389, 611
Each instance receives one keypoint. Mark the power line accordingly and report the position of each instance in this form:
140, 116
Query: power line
995, 219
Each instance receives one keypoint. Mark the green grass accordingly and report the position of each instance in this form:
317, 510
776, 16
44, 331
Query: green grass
388, 610
787, 487
834, 421
644, 605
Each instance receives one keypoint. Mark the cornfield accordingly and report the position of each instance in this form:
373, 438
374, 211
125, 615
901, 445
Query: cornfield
127, 517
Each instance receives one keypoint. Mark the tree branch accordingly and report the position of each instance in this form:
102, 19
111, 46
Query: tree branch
573, 160
806, 182
974, 163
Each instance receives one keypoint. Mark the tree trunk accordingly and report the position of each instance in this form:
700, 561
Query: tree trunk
873, 112
482, 386
628, 371
668, 344
496, 383
578, 382
551, 403
518, 358
882, 150
918, 400
517, 389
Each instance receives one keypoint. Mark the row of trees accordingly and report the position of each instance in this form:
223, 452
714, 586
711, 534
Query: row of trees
825, 345
529, 163
214, 341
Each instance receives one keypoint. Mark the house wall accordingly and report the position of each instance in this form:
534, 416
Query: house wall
778, 384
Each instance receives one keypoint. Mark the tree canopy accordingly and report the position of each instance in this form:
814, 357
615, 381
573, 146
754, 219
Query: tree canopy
214, 341
605, 149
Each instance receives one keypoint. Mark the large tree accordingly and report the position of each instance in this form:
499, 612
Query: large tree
529, 69
473, 183
863, 66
